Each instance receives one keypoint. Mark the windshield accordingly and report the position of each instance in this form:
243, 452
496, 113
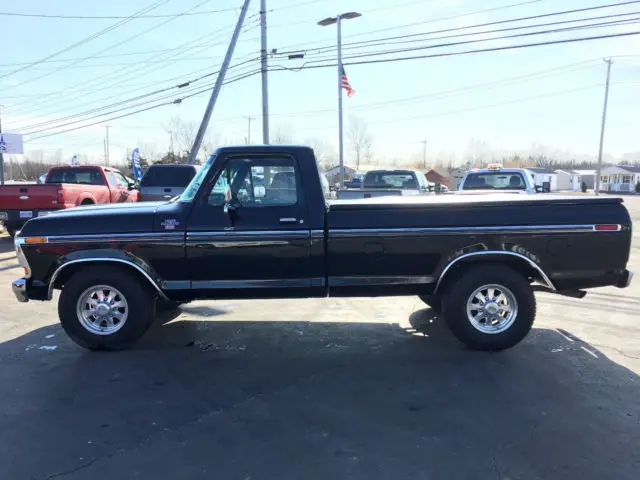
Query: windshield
390, 179
494, 181
168, 176
192, 189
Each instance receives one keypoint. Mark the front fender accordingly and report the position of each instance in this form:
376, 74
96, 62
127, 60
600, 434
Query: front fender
60, 269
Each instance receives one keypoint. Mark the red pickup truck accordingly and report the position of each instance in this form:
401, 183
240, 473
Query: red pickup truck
64, 187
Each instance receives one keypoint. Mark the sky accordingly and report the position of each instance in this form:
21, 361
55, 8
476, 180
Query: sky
540, 100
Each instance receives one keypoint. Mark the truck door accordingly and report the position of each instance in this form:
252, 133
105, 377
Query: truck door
247, 234
119, 193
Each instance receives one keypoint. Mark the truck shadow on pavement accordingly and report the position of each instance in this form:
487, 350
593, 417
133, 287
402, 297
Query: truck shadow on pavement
289, 400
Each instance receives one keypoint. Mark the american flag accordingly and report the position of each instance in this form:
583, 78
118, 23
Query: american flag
346, 85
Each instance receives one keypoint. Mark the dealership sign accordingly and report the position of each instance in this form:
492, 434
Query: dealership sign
11, 143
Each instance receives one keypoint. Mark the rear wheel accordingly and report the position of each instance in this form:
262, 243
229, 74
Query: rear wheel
490, 307
105, 308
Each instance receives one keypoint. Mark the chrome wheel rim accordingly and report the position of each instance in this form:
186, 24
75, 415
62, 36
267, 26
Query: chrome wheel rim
102, 310
492, 308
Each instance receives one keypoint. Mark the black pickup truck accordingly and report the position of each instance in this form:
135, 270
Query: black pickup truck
256, 222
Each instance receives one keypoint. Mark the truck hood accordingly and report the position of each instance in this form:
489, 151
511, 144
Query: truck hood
117, 218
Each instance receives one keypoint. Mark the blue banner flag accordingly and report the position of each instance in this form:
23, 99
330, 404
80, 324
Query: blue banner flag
135, 163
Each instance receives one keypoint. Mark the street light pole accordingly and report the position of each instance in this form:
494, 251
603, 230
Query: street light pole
263, 68
608, 61
338, 21
340, 126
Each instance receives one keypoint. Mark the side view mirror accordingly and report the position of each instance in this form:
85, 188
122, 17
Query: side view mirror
132, 185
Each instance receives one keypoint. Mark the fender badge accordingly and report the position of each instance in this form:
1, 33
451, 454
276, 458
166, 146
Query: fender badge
170, 224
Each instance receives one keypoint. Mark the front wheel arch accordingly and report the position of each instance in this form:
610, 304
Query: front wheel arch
64, 273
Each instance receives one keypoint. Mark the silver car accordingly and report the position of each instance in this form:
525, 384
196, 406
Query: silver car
163, 182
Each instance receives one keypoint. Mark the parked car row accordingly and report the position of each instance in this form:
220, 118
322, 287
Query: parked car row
73, 186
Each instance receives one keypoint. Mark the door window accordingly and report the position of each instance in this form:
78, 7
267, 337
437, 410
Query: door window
112, 179
121, 180
256, 183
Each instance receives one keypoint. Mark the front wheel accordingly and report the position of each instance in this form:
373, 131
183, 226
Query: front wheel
490, 307
105, 308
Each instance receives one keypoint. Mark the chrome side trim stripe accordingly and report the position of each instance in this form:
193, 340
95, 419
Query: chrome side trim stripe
118, 237
508, 229
543, 275
248, 233
116, 260
366, 280
259, 283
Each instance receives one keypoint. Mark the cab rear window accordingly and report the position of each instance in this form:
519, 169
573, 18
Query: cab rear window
79, 175
169, 176
494, 181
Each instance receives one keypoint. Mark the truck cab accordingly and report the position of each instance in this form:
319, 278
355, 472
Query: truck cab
498, 179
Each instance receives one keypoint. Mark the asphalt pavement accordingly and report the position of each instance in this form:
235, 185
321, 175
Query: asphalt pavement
324, 389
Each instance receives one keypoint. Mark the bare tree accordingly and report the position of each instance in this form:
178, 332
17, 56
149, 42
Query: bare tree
324, 151
360, 139
181, 135
149, 151
282, 135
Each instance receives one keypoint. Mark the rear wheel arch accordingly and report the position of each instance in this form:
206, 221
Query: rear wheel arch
517, 262
67, 270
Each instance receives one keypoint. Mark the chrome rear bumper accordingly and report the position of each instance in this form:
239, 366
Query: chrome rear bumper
19, 288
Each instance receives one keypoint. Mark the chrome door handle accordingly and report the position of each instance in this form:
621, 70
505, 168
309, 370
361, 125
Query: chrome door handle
288, 220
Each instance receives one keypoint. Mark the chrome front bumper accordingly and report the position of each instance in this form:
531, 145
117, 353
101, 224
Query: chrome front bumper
19, 288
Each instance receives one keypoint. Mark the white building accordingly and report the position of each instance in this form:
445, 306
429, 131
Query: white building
620, 178
564, 180
572, 179
542, 176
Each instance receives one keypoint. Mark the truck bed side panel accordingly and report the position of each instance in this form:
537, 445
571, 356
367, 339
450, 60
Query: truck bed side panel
406, 249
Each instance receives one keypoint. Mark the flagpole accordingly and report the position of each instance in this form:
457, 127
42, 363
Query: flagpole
340, 128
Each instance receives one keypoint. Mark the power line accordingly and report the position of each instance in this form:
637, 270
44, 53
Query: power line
152, 107
167, 15
441, 45
129, 100
432, 20
378, 53
509, 47
332, 47
113, 17
100, 80
110, 47
151, 7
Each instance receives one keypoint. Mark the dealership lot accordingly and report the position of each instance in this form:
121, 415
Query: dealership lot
324, 388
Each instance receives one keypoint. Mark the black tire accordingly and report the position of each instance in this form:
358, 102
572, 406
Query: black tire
459, 292
433, 301
139, 300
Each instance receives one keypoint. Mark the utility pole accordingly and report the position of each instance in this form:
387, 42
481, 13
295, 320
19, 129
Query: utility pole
106, 145
249, 129
608, 61
219, 81
424, 152
263, 69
